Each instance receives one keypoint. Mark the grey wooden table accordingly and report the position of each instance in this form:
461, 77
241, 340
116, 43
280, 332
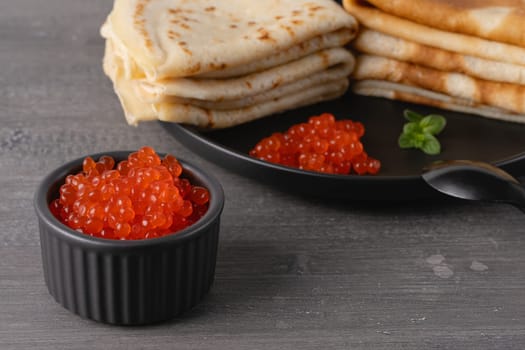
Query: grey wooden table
292, 273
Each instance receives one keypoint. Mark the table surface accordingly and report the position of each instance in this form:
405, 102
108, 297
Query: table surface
292, 272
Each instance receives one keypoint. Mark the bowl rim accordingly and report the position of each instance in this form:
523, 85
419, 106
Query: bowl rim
41, 205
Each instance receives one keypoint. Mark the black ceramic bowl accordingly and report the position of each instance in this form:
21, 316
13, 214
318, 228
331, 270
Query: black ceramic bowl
128, 282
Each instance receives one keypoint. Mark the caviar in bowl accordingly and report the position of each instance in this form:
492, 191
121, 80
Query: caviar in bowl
128, 282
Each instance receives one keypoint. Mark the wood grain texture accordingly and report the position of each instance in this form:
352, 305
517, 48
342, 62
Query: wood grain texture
292, 272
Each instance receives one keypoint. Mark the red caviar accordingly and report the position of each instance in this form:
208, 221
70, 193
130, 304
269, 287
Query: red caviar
141, 197
322, 144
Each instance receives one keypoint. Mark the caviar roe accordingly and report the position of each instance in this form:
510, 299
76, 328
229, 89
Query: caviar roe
322, 144
138, 198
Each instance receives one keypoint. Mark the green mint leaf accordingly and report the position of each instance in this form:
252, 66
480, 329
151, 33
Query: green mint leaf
419, 132
406, 141
412, 116
433, 124
418, 140
412, 127
431, 145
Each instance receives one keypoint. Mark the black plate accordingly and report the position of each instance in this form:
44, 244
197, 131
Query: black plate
465, 137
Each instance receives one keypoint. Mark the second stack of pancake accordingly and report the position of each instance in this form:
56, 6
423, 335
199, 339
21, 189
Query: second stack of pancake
467, 56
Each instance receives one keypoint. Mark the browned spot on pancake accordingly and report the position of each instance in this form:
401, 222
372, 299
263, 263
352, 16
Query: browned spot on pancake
296, 12
233, 25
178, 10
185, 26
485, 91
194, 69
139, 9
326, 59
288, 29
175, 21
277, 82
182, 43
252, 23
297, 21
314, 7
248, 84
210, 9
451, 61
488, 94
413, 98
140, 22
217, 66
186, 50
148, 42
246, 37
278, 17
188, 19
209, 116
419, 76
173, 35
264, 35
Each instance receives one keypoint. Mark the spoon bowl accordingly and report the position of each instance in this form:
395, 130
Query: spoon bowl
475, 180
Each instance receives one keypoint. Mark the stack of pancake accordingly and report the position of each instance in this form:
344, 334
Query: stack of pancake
463, 55
225, 62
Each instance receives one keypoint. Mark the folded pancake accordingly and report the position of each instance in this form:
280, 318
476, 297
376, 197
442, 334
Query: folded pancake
209, 118
221, 114
322, 42
497, 20
418, 95
509, 97
323, 77
336, 61
381, 21
327, 41
167, 39
376, 43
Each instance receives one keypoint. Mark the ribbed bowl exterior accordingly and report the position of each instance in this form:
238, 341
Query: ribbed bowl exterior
149, 286
128, 282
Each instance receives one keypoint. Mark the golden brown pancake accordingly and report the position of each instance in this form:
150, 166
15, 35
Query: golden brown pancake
374, 18
509, 97
498, 20
418, 95
376, 43
169, 39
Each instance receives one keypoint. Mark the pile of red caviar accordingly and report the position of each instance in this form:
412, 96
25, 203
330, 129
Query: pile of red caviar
141, 197
322, 144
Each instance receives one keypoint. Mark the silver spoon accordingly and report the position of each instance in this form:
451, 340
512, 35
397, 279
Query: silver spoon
474, 180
